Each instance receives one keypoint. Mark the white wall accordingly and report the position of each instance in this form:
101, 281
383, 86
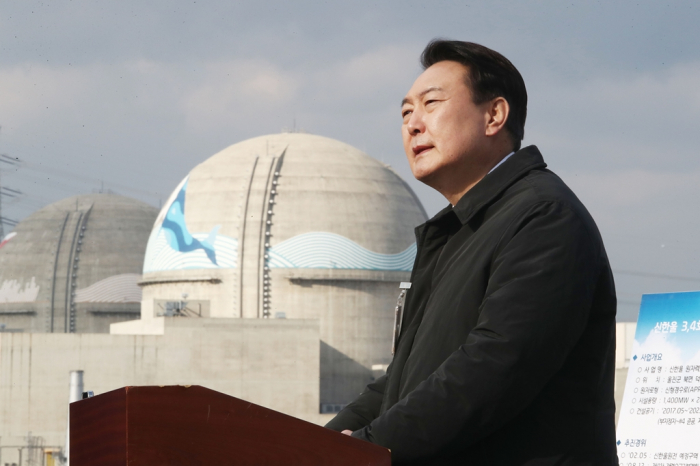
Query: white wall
274, 363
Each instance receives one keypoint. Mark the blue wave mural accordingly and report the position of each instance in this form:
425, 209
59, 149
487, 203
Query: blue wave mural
320, 250
171, 246
160, 256
179, 237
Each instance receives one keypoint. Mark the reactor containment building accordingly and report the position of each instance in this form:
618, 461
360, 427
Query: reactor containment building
292, 226
270, 274
74, 266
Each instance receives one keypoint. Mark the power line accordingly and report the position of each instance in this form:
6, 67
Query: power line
13, 191
10, 161
57, 172
7, 192
7, 159
47, 176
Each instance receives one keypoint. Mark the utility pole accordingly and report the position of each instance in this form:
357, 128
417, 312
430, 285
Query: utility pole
2, 230
4, 191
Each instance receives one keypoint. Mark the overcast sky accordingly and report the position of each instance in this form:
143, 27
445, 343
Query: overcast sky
130, 95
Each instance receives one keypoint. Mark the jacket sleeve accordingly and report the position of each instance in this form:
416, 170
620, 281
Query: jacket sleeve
363, 410
536, 306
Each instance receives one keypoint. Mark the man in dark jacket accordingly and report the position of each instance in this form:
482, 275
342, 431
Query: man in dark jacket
505, 354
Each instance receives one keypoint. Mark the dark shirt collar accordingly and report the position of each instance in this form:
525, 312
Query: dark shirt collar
493, 184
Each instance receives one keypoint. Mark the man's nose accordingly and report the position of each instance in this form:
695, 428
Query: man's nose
415, 123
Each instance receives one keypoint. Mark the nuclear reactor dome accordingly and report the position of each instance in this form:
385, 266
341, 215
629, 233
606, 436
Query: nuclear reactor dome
74, 265
290, 226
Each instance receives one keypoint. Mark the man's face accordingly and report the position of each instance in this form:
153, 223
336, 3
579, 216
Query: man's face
443, 130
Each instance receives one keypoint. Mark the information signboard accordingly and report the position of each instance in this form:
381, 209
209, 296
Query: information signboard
659, 422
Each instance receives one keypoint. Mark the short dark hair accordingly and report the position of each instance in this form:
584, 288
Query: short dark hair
489, 75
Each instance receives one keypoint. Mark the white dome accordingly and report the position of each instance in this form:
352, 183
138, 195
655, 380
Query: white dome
74, 265
254, 229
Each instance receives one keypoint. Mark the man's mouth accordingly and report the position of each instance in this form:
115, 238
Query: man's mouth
418, 150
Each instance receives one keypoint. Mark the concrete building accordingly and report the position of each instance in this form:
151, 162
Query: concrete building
271, 274
290, 226
271, 362
74, 265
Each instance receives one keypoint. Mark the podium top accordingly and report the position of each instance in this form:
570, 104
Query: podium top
192, 425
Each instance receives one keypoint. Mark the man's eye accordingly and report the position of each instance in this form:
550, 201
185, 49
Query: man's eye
405, 113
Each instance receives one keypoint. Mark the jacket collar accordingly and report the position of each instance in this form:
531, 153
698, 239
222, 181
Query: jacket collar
493, 184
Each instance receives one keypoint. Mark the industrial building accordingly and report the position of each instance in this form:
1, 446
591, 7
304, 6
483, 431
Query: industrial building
270, 274
271, 362
74, 265
292, 226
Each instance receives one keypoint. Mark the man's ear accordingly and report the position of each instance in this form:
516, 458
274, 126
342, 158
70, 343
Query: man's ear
498, 111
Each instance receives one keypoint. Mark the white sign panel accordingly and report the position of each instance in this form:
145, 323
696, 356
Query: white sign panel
659, 421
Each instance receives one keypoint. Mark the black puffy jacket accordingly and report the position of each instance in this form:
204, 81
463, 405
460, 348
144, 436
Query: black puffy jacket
506, 352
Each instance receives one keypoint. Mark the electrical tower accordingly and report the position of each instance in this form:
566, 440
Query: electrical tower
4, 191
2, 229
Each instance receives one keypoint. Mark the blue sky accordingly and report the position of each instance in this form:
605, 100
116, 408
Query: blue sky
130, 95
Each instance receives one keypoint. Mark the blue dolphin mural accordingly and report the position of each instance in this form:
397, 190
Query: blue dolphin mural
179, 237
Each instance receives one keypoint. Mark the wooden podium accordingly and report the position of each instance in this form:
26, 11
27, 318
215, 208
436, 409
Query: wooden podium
195, 426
